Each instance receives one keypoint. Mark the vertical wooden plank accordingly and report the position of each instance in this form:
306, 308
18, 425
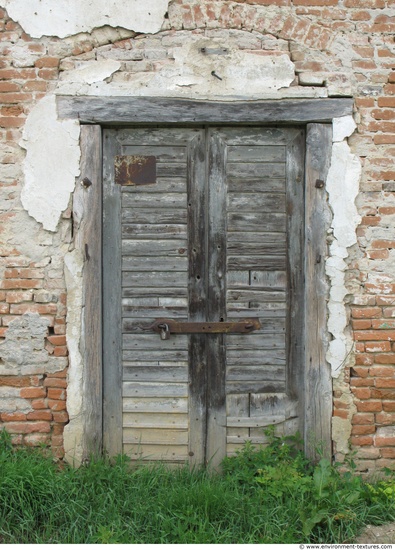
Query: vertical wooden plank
318, 383
112, 365
216, 304
197, 296
295, 160
87, 201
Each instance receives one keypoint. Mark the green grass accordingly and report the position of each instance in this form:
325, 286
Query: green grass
270, 495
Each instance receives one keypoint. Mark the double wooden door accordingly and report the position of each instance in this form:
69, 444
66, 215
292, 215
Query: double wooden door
201, 225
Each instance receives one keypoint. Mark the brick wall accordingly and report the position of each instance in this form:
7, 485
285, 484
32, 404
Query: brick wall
339, 48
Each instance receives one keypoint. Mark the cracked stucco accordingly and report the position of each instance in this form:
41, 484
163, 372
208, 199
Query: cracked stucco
63, 18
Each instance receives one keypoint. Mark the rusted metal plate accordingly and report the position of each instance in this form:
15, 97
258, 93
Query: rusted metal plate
186, 327
135, 170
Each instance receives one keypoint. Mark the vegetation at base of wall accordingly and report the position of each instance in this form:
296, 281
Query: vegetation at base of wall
266, 495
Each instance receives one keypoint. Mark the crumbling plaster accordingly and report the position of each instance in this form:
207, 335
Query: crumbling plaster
68, 17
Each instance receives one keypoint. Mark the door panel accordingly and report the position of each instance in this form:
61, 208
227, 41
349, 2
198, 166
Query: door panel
208, 240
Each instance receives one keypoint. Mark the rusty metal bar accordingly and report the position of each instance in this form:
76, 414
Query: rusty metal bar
172, 326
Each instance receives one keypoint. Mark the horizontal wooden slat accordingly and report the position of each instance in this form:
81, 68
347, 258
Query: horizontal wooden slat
255, 386
155, 405
256, 153
256, 221
147, 315
162, 153
276, 310
276, 280
259, 249
146, 389
263, 184
255, 357
154, 215
154, 200
257, 263
159, 279
152, 340
256, 422
266, 373
156, 374
153, 263
161, 185
152, 136
255, 170
257, 341
154, 420
261, 202
154, 247
171, 453
152, 231
254, 294
149, 356
152, 436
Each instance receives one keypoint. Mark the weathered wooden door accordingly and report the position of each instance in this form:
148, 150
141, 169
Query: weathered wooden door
201, 224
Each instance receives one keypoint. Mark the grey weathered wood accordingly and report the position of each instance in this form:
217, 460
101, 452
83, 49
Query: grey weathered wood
158, 110
149, 436
159, 405
295, 269
216, 299
259, 373
197, 292
149, 247
151, 263
154, 216
318, 382
272, 386
164, 453
152, 389
254, 422
151, 200
158, 374
154, 420
255, 170
256, 153
251, 185
152, 231
87, 230
250, 202
112, 362
246, 221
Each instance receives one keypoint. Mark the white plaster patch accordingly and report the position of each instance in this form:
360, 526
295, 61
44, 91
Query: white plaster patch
68, 17
342, 186
343, 127
73, 432
51, 163
95, 71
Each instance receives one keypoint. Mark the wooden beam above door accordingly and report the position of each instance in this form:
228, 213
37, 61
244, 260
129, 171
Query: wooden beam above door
158, 110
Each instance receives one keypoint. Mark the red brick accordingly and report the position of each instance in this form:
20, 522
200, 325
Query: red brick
36, 439
360, 346
389, 406
363, 359
385, 358
39, 404
375, 347
385, 382
56, 405
383, 323
385, 419
16, 297
56, 393
386, 101
60, 351
341, 414
383, 393
57, 340
381, 139
366, 312
41, 309
31, 393
362, 440
60, 416
47, 62
39, 415
369, 406
367, 335
385, 441
15, 381
362, 382
362, 393
4, 309
363, 418
11, 284
389, 311
363, 430
27, 427
382, 371
377, 254
55, 382
13, 417
388, 453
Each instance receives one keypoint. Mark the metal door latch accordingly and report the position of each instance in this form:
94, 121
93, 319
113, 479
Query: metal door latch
165, 327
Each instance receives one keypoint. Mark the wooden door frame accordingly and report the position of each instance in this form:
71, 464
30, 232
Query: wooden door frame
316, 117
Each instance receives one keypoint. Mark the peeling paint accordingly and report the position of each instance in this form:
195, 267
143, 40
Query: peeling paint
69, 17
